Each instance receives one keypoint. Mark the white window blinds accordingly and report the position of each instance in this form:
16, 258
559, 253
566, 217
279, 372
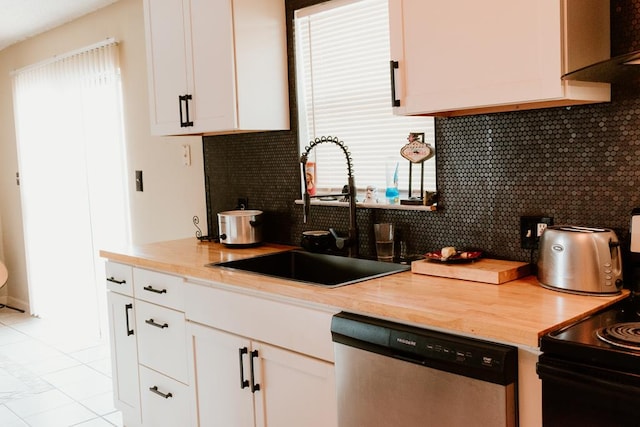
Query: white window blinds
342, 56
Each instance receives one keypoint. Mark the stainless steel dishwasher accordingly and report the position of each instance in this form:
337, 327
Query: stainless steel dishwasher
389, 374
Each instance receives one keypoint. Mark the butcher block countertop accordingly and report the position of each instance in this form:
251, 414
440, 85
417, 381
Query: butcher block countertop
517, 312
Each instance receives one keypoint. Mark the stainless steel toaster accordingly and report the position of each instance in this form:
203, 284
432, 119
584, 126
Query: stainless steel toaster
582, 260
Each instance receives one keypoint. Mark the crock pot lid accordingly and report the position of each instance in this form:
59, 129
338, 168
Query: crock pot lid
315, 233
241, 212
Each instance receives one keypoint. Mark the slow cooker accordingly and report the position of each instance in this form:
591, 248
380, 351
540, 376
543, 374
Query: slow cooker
240, 227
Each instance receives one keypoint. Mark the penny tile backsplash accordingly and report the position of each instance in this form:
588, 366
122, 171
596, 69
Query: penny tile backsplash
580, 165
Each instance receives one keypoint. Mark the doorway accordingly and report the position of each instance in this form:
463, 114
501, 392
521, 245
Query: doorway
73, 186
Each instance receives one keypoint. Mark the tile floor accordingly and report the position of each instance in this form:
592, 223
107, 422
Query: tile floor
53, 375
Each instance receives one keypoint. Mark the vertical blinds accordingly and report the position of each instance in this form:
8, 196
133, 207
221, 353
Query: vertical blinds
342, 56
73, 176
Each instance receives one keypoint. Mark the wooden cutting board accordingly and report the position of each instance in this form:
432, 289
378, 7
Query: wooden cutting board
484, 270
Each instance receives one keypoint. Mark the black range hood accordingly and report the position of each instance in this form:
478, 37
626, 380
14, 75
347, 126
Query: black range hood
617, 69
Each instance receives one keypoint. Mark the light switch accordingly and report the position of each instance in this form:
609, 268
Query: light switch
138, 180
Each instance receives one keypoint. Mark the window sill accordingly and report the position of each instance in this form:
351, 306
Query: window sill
316, 202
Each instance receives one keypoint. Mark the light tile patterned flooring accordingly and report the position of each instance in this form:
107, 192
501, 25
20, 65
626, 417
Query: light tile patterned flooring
53, 375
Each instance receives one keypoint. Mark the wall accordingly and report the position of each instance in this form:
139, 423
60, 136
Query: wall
580, 165
173, 193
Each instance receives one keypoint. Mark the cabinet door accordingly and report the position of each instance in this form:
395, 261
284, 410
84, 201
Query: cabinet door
190, 52
124, 357
467, 54
212, 54
262, 91
220, 378
167, 64
295, 390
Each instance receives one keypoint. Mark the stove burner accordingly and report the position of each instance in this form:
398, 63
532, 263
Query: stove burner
625, 335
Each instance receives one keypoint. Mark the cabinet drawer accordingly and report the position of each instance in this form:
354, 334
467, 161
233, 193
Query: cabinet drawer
159, 288
119, 278
162, 340
165, 402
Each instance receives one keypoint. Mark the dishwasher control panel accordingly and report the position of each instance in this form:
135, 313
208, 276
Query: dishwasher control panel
470, 357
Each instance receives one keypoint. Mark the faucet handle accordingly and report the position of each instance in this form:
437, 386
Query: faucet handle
341, 242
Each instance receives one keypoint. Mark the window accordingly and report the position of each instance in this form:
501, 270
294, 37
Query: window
343, 83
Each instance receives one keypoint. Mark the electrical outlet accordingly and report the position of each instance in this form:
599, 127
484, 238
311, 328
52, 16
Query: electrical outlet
540, 227
531, 228
186, 154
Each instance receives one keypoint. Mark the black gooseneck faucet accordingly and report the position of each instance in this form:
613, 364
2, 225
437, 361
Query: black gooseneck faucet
352, 240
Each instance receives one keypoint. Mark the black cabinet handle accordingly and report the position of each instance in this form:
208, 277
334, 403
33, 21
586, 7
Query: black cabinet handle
126, 316
155, 390
393, 66
254, 387
116, 281
155, 291
157, 325
185, 99
181, 99
241, 352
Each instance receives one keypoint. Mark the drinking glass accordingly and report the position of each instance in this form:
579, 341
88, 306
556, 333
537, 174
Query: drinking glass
384, 241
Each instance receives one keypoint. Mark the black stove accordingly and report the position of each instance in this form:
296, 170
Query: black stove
590, 371
597, 339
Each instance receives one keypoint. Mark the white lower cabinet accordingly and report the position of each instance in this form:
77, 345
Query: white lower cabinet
124, 357
148, 346
244, 383
165, 401
205, 354
259, 361
123, 341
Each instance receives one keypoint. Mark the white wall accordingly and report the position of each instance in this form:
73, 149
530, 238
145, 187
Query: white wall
173, 193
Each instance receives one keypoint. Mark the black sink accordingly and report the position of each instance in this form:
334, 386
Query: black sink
317, 269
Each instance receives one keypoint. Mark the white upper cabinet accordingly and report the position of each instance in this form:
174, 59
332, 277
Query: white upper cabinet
216, 66
468, 57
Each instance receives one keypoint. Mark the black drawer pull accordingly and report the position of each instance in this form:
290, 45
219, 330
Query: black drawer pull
126, 316
155, 291
116, 281
241, 352
254, 387
155, 390
157, 325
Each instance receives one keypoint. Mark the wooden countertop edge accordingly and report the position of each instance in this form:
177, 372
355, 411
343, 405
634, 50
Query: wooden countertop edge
477, 309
